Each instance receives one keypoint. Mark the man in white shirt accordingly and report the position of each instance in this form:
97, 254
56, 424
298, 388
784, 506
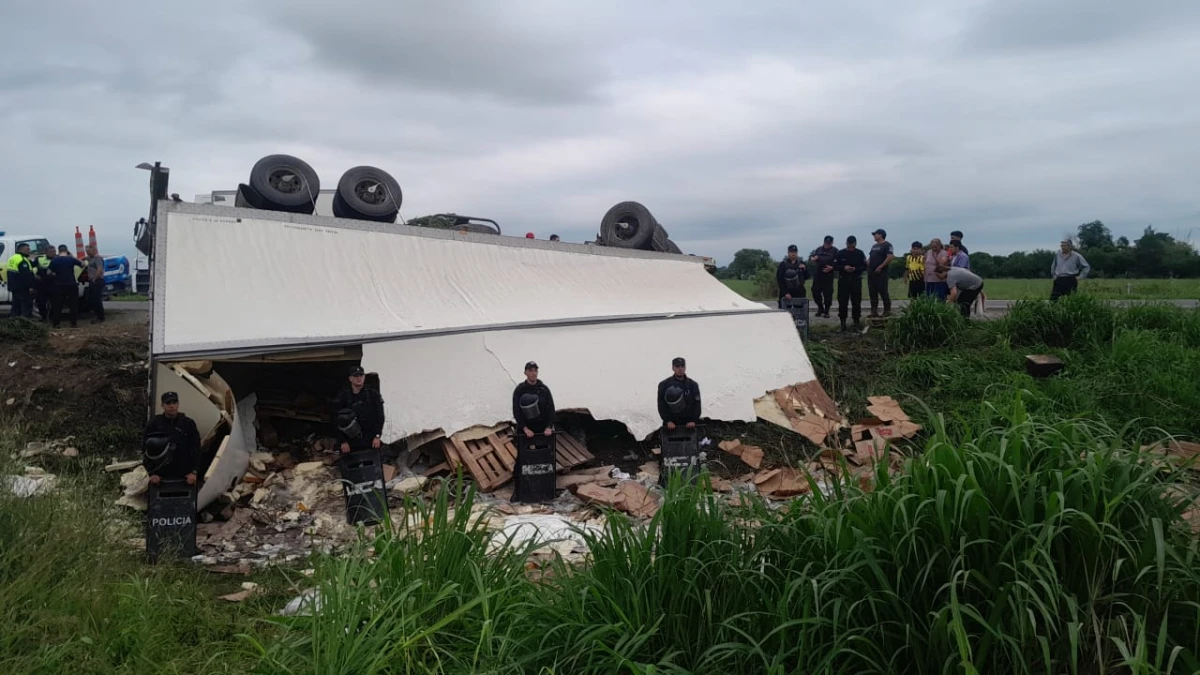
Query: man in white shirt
1067, 268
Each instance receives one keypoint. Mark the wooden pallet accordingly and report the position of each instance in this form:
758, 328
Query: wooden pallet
570, 453
492, 459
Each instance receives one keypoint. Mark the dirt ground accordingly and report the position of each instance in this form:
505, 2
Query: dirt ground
89, 382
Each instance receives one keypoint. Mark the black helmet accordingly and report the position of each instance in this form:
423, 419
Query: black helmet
673, 397
347, 423
529, 406
158, 447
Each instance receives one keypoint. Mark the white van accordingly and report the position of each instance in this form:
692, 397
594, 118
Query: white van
8, 246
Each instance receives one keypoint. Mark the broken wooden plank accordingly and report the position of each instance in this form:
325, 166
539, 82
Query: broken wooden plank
434, 470
570, 453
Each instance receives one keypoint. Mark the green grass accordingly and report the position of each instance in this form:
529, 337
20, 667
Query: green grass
1033, 289
1026, 534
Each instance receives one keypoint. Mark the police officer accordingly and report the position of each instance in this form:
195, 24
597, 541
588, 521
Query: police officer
172, 444
850, 263
44, 282
679, 397
821, 260
790, 276
20, 282
533, 405
358, 414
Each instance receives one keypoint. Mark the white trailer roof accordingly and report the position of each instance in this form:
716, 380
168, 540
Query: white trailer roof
229, 279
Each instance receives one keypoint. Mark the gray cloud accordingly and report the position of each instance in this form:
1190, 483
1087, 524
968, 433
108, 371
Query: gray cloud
757, 126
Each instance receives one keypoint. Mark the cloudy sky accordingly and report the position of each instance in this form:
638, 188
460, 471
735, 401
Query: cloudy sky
756, 125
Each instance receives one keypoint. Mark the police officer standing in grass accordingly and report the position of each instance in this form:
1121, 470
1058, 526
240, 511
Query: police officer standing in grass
20, 282
882, 255
172, 444
679, 398
850, 263
822, 259
533, 405
358, 413
1067, 268
790, 277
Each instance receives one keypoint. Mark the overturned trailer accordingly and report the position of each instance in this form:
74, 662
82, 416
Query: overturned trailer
247, 300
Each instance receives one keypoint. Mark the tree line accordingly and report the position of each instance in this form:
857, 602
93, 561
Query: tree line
1153, 255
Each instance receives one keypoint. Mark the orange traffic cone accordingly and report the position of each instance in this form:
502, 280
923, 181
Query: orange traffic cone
79, 244
92, 238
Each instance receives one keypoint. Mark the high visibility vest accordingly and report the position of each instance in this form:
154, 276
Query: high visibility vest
13, 266
43, 262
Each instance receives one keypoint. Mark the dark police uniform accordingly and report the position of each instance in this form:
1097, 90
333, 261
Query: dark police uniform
367, 405
183, 432
822, 285
796, 289
850, 283
691, 397
545, 416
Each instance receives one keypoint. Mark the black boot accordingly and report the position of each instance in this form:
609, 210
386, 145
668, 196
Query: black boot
843, 325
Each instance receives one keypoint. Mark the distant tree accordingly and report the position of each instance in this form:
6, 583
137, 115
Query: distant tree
1094, 235
1122, 242
748, 261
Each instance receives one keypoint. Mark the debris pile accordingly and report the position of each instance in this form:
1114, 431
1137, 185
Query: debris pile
62, 446
34, 481
491, 458
803, 408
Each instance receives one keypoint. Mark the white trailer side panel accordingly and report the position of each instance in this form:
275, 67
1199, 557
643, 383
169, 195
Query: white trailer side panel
612, 370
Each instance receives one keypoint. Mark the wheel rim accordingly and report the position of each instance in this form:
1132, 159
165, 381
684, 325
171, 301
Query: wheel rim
371, 192
627, 228
285, 180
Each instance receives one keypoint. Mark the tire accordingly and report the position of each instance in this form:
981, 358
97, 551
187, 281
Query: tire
285, 183
658, 241
343, 210
369, 192
672, 248
627, 225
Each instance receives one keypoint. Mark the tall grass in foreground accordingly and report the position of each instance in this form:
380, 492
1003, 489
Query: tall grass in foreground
76, 597
1025, 547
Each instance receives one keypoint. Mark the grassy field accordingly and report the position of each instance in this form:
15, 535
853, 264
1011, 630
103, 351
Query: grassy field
1025, 534
1036, 289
